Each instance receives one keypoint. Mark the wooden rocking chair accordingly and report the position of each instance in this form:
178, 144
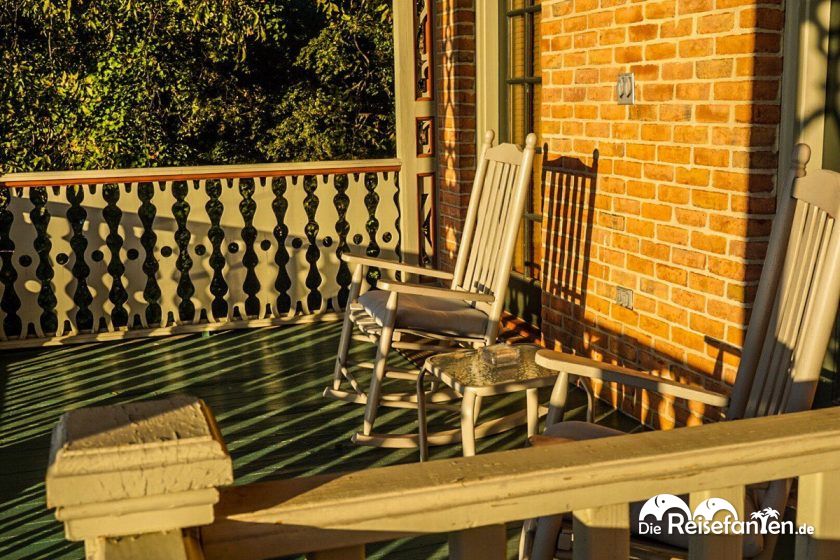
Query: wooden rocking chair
785, 343
423, 318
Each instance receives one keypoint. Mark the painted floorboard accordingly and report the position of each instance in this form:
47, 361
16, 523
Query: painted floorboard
264, 387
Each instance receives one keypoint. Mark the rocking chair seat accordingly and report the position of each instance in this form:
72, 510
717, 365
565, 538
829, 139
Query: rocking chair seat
428, 313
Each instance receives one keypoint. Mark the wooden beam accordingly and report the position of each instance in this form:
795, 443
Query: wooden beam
457, 494
151, 174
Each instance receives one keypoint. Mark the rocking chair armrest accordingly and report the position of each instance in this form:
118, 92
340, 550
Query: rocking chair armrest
423, 290
350, 258
593, 369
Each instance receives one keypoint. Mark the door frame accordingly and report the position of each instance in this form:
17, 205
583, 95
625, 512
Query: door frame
489, 22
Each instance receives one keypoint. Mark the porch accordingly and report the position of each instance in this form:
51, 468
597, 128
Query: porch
265, 388
226, 282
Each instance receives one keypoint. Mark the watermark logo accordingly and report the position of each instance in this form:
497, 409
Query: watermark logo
666, 514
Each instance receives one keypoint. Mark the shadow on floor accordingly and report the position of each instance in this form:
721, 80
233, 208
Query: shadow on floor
264, 387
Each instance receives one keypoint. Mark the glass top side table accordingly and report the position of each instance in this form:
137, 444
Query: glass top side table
473, 377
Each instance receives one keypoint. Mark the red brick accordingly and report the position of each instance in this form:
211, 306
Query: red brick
707, 327
716, 23
749, 43
708, 242
692, 218
671, 234
705, 284
712, 113
714, 68
710, 157
690, 48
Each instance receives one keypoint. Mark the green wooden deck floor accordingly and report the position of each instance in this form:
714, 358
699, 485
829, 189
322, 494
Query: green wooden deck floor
264, 387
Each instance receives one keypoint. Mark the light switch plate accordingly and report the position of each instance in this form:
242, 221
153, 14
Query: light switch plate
626, 89
624, 297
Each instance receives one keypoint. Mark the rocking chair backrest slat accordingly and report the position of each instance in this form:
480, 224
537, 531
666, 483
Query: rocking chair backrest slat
797, 299
476, 195
489, 220
766, 398
490, 203
496, 205
497, 215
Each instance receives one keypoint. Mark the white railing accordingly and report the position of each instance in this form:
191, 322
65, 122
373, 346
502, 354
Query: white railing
132, 252
472, 498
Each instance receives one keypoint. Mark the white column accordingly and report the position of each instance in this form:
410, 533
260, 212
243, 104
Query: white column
406, 125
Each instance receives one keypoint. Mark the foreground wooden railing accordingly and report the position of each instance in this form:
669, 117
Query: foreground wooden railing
102, 254
470, 498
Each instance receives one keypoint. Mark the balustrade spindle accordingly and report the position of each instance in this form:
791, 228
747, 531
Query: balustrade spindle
148, 240
40, 217
602, 533
281, 258
9, 302
717, 547
313, 278
216, 261
819, 506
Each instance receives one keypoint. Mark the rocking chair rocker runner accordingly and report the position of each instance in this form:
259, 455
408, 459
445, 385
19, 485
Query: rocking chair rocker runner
419, 317
793, 316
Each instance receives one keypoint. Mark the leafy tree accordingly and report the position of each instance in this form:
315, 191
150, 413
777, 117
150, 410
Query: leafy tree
347, 88
135, 83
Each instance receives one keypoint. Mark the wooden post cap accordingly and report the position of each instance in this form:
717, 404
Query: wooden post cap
136, 468
800, 158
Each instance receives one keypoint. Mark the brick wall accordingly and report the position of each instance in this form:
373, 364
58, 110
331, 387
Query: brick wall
684, 194
455, 135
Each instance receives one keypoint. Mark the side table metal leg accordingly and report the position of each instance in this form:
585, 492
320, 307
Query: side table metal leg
532, 403
468, 423
422, 432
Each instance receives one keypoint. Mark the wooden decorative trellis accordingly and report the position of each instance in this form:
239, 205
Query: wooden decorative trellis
414, 84
92, 253
425, 131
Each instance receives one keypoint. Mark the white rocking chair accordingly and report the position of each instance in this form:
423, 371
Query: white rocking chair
792, 320
437, 319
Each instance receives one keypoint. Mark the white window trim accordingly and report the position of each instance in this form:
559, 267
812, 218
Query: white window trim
487, 67
803, 81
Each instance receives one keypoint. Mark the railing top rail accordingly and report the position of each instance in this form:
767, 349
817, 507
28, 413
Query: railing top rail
109, 176
499, 487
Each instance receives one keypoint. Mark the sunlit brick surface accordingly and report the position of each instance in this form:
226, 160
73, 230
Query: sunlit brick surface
685, 191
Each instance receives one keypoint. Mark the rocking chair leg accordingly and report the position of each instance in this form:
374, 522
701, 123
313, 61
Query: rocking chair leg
380, 364
343, 350
557, 403
545, 537
347, 329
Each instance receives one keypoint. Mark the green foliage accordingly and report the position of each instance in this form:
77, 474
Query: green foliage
135, 83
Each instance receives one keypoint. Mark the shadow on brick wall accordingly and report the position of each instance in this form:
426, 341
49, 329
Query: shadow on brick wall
569, 189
